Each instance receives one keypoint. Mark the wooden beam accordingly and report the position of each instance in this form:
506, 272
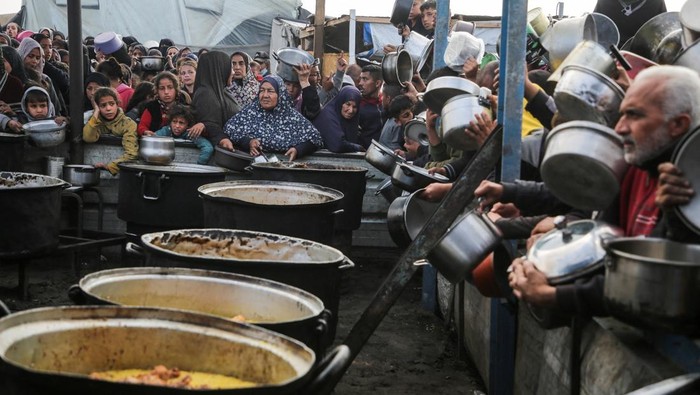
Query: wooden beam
319, 20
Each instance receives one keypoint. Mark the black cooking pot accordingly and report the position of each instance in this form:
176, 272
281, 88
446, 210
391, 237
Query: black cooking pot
269, 304
400, 12
11, 151
304, 264
31, 213
233, 160
351, 181
54, 350
288, 208
164, 196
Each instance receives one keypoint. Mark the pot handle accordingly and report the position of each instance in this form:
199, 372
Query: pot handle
617, 55
328, 372
158, 185
76, 295
4, 311
347, 264
322, 327
134, 249
274, 55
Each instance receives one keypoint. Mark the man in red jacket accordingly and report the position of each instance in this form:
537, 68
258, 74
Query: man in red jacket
660, 107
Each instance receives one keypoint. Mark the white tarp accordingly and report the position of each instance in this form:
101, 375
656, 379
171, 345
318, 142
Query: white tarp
196, 23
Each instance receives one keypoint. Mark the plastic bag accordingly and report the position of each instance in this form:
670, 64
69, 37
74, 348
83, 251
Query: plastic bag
460, 47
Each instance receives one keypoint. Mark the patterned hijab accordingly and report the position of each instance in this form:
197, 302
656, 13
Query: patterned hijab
278, 129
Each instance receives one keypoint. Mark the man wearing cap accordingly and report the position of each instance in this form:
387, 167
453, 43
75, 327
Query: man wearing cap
660, 107
263, 58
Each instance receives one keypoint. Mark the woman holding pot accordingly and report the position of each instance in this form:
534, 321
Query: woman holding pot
272, 124
212, 104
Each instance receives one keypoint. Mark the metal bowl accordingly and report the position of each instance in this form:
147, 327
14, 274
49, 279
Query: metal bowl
412, 178
287, 58
157, 150
587, 95
457, 113
233, 160
152, 63
442, 89
382, 158
45, 133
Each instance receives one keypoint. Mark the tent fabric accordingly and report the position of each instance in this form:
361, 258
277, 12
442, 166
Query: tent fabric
195, 23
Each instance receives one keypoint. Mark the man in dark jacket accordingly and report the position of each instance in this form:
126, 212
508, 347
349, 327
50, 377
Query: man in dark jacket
371, 116
659, 109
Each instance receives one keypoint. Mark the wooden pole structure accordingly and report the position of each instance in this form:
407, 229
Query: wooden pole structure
319, 20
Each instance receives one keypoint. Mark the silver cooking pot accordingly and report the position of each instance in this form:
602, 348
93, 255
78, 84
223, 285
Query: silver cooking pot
157, 150
407, 215
152, 63
689, 22
81, 175
417, 130
538, 20
287, 58
420, 48
590, 54
442, 89
563, 36
397, 68
583, 164
457, 113
606, 30
654, 283
45, 132
465, 244
583, 94
412, 178
648, 37
382, 158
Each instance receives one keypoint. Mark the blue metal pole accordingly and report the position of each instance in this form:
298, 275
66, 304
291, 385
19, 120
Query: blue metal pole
510, 115
442, 28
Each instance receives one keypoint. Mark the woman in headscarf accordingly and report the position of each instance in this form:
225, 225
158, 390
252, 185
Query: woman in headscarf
272, 124
212, 104
338, 122
244, 87
93, 82
33, 58
16, 65
11, 87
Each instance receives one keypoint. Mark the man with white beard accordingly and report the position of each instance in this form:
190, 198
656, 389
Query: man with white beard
659, 108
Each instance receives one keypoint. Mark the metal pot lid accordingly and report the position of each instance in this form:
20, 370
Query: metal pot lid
271, 193
652, 32
172, 168
307, 166
572, 250
387, 151
442, 89
685, 157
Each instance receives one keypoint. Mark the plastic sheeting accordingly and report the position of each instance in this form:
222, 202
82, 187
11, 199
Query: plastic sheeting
195, 23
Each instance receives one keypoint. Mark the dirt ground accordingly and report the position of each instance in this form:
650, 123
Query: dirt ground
411, 352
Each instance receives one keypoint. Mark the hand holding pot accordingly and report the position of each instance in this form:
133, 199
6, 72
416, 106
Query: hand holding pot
673, 188
623, 79
530, 285
303, 71
480, 129
489, 192
291, 153
226, 143
470, 68
255, 147
435, 192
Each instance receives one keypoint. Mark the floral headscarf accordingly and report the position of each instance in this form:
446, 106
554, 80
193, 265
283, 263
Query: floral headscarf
278, 129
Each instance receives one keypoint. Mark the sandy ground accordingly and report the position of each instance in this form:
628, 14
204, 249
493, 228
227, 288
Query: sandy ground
411, 352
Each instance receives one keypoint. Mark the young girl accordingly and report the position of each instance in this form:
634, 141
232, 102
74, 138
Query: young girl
113, 71
155, 114
181, 119
109, 118
187, 71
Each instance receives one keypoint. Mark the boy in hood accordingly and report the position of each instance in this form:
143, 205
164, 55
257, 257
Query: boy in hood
36, 105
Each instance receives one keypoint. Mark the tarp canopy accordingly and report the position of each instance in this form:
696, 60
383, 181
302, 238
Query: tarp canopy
196, 23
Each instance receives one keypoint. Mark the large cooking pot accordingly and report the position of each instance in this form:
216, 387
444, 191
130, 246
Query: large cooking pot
305, 264
652, 32
457, 114
12, 151
465, 244
406, 216
54, 350
269, 304
564, 35
157, 150
287, 58
232, 160
442, 89
412, 178
419, 48
382, 158
583, 164
688, 17
31, 205
288, 208
351, 181
589, 54
397, 68
81, 175
164, 196
583, 94
654, 283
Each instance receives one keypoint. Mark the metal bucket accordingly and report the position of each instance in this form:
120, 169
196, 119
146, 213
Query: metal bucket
562, 38
54, 166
